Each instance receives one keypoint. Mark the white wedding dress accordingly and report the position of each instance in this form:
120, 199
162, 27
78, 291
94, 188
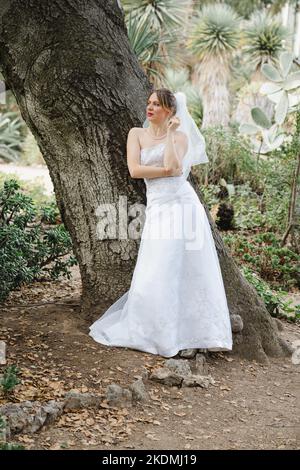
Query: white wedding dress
176, 299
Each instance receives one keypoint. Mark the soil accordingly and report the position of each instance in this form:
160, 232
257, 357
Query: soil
250, 405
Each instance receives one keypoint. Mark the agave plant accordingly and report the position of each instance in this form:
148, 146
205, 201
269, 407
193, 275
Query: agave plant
145, 44
159, 14
154, 31
244, 7
10, 136
214, 36
263, 37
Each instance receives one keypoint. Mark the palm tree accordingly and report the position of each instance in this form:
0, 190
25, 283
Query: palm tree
263, 40
213, 38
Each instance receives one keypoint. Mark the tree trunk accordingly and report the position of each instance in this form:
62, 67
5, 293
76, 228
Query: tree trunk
212, 76
80, 89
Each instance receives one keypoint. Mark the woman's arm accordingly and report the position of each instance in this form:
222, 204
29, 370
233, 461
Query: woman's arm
137, 170
176, 146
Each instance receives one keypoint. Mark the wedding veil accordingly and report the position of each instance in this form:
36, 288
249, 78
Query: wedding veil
196, 152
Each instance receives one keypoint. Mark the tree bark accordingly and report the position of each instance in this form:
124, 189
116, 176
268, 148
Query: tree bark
80, 89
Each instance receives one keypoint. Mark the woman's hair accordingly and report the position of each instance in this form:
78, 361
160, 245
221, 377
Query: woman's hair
166, 99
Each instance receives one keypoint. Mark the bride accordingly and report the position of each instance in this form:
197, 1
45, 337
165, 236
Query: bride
176, 299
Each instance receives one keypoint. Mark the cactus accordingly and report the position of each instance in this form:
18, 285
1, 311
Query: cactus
283, 88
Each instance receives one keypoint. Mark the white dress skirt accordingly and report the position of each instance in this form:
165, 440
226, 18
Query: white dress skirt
176, 299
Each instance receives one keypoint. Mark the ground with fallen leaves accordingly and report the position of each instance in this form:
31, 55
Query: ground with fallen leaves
250, 405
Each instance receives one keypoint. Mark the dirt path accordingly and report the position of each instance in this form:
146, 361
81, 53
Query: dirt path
250, 406
36, 174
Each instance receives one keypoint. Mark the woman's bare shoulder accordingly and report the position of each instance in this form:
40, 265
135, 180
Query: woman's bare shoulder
137, 130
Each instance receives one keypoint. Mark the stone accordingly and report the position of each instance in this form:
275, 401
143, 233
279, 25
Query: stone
179, 366
2, 353
188, 353
201, 364
117, 396
76, 400
139, 392
197, 381
166, 376
237, 324
30, 416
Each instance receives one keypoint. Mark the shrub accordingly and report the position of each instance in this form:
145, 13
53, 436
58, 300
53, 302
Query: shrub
9, 379
33, 245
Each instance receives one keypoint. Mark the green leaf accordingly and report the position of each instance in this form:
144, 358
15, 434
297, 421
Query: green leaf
271, 73
292, 81
269, 88
285, 60
275, 97
248, 129
260, 118
282, 109
294, 99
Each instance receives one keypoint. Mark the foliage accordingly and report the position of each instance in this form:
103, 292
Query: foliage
216, 31
10, 136
263, 36
32, 246
157, 14
283, 89
263, 254
230, 157
276, 302
155, 29
30, 151
145, 44
7, 445
9, 379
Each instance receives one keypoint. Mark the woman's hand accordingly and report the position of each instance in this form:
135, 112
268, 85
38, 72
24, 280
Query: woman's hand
173, 123
174, 172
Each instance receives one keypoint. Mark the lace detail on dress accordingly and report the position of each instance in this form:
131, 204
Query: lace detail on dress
153, 156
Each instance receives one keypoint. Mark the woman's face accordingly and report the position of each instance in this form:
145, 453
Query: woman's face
155, 112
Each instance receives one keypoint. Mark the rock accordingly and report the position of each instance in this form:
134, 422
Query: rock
2, 353
178, 372
117, 396
237, 324
166, 376
145, 374
75, 400
179, 366
4, 430
201, 364
198, 381
29, 416
54, 409
139, 392
188, 353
